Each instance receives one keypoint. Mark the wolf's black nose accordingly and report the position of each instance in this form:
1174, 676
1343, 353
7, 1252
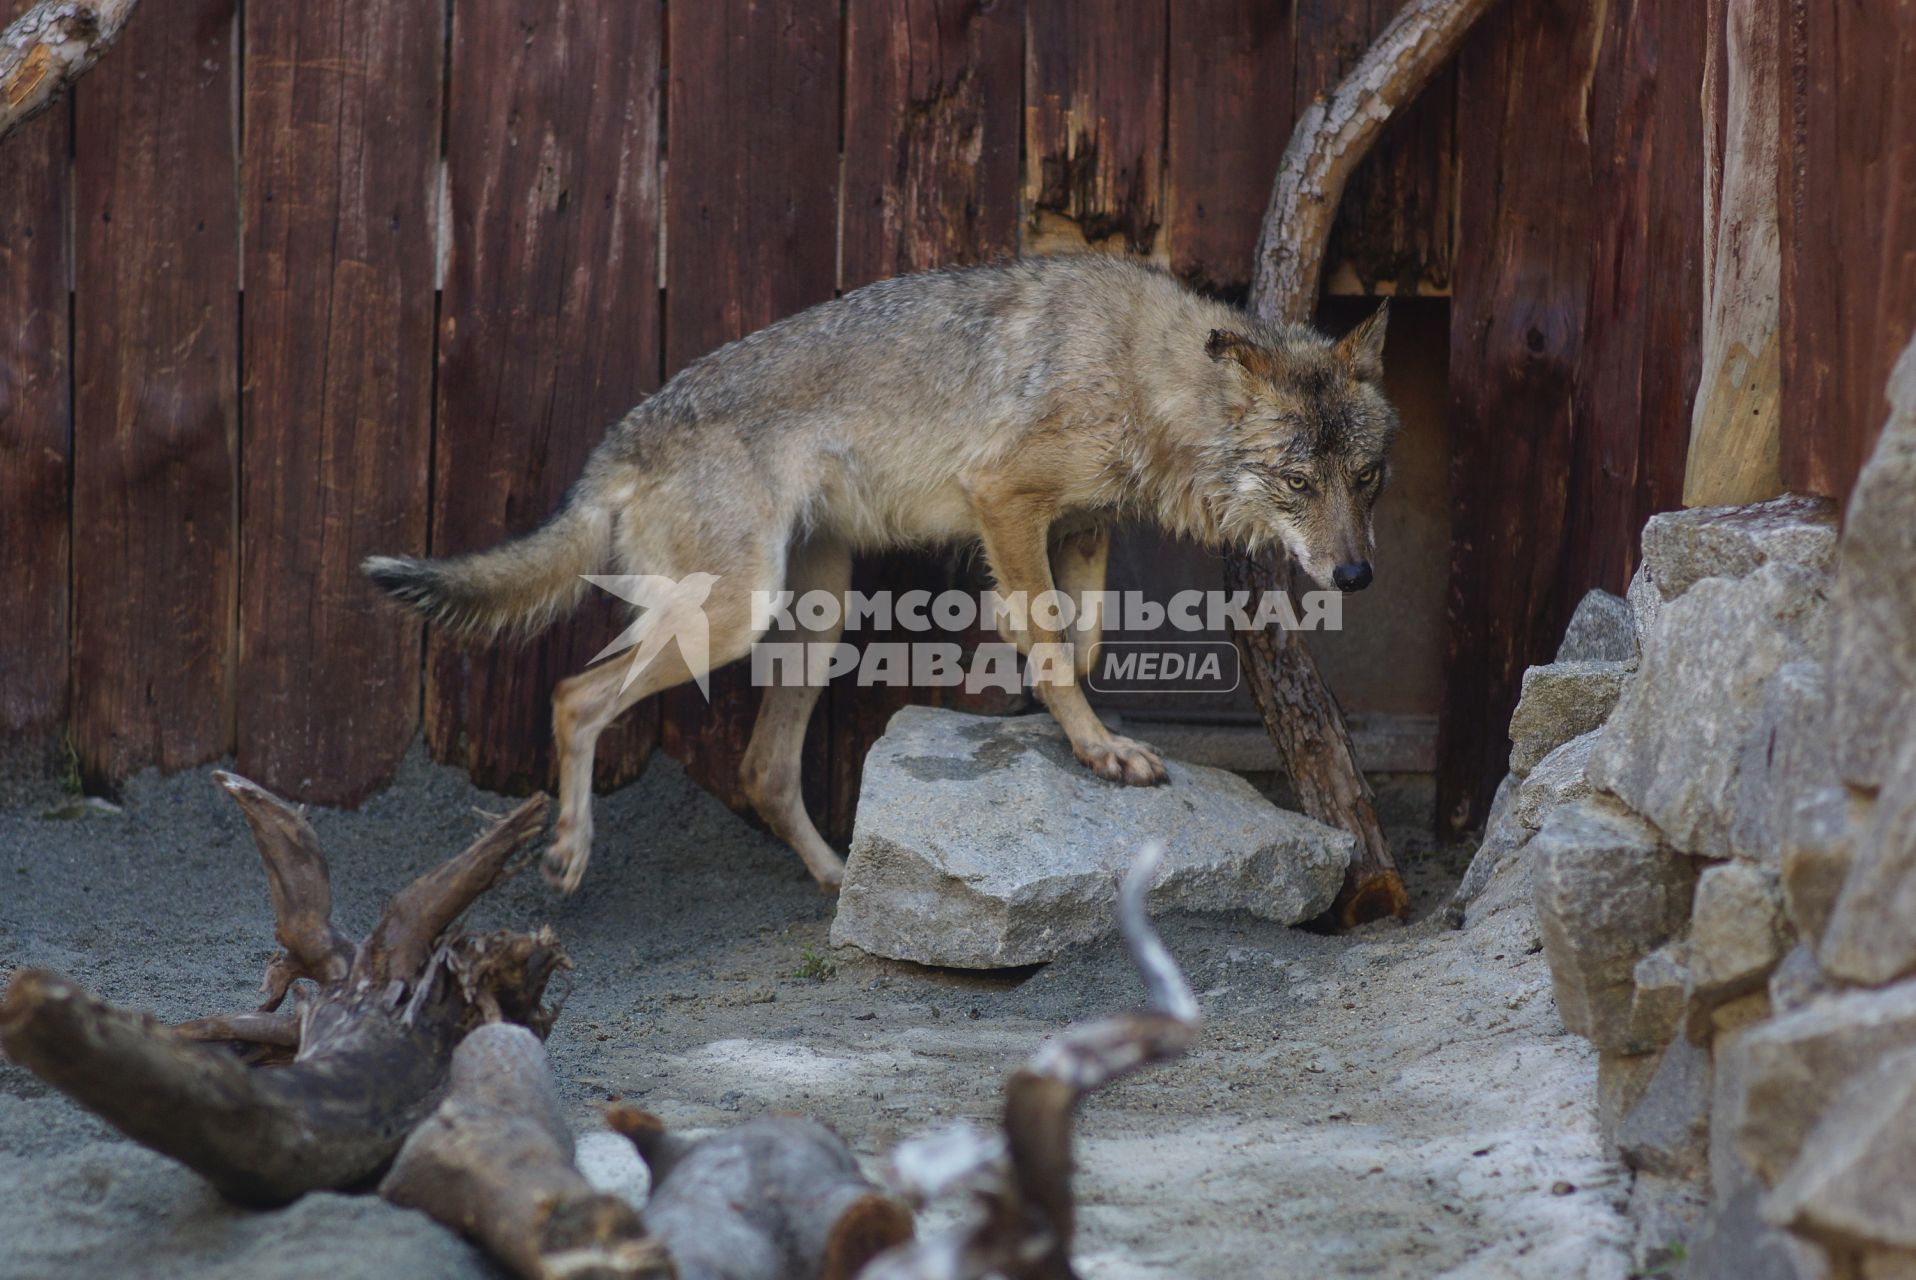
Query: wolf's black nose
1352, 577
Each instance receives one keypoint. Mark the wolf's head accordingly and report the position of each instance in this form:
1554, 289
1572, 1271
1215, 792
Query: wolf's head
1304, 457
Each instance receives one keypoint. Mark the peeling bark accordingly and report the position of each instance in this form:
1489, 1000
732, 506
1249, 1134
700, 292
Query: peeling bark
371, 1036
1332, 136
50, 46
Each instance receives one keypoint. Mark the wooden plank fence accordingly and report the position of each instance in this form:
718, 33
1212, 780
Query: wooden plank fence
451, 282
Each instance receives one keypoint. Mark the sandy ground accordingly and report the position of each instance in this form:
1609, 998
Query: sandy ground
1399, 1103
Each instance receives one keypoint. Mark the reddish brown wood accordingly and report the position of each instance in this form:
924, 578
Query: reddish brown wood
931, 134
1638, 364
1522, 279
549, 331
1847, 217
342, 116
1094, 120
752, 208
35, 413
1230, 113
931, 179
155, 431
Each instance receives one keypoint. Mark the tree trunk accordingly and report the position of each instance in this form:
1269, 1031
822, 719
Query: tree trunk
1331, 137
50, 46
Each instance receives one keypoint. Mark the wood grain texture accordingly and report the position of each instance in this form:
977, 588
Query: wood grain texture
35, 414
1094, 122
1519, 301
1637, 367
752, 210
155, 432
1230, 105
931, 137
931, 179
341, 148
1847, 220
548, 333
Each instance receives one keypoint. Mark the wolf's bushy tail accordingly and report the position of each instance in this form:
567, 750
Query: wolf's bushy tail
522, 586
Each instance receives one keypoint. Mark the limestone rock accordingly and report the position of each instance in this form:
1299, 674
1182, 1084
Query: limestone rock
1873, 623
1621, 1080
1787, 754
1601, 630
1645, 599
1667, 1131
1854, 1184
1607, 892
1869, 938
1561, 701
1671, 748
1503, 840
1559, 778
1817, 855
1681, 548
1795, 1064
1798, 980
1660, 992
982, 843
1737, 931
1736, 1244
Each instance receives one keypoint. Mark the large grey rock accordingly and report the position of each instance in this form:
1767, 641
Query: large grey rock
981, 843
1561, 701
1671, 748
1645, 599
1559, 778
1681, 548
1873, 627
1503, 840
1788, 753
1854, 1184
1736, 1244
1601, 630
1661, 987
1818, 852
1798, 979
1607, 892
1871, 934
1793, 1066
1667, 1132
1737, 931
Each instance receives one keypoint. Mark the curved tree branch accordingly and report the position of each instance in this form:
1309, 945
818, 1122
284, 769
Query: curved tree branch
50, 46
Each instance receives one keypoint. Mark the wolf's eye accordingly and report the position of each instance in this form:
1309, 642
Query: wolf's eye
1301, 484
1367, 475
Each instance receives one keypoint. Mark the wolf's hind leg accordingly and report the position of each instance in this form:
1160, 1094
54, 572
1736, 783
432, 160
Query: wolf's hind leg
583, 705
770, 772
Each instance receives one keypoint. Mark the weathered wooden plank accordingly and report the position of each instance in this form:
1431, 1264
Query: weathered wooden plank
931, 134
35, 413
752, 212
1230, 104
1735, 446
341, 148
1519, 303
1637, 365
1847, 220
549, 331
156, 404
931, 179
1094, 123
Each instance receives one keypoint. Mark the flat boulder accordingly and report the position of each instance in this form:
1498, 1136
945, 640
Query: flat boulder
982, 843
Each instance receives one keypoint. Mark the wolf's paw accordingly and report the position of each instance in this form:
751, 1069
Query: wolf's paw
564, 863
1123, 760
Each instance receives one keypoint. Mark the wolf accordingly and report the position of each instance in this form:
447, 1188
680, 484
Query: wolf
1024, 406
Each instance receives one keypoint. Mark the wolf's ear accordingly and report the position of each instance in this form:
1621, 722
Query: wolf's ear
1226, 345
1362, 349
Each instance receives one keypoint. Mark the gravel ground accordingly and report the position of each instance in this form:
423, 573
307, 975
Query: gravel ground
1402, 1102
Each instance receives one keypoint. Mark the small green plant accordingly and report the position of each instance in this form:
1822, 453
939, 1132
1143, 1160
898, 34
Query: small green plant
814, 965
1674, 1256
70, 765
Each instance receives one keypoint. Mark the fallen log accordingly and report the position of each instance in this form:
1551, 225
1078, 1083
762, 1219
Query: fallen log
1331, 137
776, 1198
370, 1036
495, 1163
1025, 1214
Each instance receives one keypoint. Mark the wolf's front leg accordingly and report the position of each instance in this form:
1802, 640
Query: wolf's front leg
1015, 536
